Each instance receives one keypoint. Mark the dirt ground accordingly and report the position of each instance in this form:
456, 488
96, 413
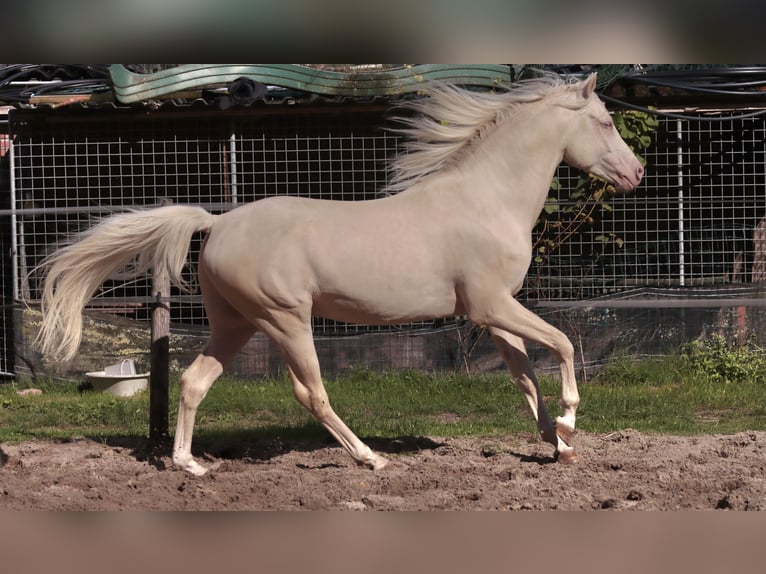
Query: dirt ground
625, 470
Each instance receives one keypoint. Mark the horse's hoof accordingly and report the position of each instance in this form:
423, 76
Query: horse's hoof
379, 463
192, 467
568, 456
374, 462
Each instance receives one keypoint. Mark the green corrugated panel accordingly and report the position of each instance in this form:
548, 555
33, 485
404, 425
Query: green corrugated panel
130, 87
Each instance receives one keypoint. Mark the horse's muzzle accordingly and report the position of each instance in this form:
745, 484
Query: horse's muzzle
628, 179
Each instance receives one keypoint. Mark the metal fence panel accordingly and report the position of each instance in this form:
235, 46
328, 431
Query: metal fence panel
697, 220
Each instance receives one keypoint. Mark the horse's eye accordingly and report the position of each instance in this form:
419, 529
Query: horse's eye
607, 124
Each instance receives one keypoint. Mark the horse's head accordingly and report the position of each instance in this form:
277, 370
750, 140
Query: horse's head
593, 143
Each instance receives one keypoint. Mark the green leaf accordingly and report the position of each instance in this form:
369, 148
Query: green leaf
551, 205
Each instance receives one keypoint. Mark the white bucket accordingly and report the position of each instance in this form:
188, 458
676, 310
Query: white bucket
120, 380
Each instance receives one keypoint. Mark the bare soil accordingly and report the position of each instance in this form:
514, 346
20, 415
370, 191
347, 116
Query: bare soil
626, 470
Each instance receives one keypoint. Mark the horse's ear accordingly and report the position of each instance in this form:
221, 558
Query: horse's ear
589, 86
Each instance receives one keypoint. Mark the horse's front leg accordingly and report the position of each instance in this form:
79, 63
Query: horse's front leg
515, 356
504, 315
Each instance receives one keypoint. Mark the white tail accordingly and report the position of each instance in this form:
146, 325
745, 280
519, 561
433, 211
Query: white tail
129, 243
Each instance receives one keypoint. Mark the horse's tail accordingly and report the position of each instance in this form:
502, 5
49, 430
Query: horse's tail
122, 246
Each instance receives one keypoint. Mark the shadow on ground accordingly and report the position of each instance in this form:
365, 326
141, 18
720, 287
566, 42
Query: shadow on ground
258, 445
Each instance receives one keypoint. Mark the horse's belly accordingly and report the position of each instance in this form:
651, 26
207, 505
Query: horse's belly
388, 308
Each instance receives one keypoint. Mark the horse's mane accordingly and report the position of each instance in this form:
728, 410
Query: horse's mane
451, 119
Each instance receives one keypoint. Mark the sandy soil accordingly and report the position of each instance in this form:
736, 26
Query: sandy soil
625, 470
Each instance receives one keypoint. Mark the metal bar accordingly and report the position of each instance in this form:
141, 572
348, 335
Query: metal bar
651, 303
233, 162
681, 250
215, 206
13, 213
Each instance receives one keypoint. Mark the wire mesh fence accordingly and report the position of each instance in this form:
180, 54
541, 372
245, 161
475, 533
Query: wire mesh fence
697, 220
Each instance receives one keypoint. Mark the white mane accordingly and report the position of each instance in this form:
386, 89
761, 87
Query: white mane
452, 119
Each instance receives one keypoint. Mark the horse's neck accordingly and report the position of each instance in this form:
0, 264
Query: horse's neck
509, 174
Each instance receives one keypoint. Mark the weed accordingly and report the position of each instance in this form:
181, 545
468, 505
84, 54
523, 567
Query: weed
718, 361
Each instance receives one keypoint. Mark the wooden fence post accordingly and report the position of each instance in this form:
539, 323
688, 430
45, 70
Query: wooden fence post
159, 387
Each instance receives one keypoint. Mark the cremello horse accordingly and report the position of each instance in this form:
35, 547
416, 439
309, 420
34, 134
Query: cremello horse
455, 239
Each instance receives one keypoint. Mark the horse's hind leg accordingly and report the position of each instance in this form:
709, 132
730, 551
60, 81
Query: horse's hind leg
294, 337
196, 382
229, 331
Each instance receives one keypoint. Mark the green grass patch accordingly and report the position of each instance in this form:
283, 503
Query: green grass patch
706, 387
702, 389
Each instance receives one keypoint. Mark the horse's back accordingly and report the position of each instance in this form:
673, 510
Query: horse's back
352, 261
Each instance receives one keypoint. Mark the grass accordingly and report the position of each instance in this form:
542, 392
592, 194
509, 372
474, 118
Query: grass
373, 404
677, 394
699, 390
